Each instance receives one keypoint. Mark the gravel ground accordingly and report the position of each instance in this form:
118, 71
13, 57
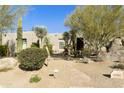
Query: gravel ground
100, 75
69, 75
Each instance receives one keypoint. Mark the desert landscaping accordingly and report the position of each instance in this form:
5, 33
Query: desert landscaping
70, 75
89, 54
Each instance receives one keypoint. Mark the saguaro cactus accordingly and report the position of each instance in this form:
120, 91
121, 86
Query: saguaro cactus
0, 38
19, 35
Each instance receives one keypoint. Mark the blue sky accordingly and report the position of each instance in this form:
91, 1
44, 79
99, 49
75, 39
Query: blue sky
50, 16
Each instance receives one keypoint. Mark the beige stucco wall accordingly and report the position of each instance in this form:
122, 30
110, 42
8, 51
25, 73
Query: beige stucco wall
54, 38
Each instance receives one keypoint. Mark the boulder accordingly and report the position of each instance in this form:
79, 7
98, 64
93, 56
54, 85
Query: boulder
115, 56
103, 49
116, 51
85, 60
113, 52
118, 74
104, 55
7, 63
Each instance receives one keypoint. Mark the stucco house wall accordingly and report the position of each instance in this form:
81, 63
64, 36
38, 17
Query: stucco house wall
55, 40
29, 37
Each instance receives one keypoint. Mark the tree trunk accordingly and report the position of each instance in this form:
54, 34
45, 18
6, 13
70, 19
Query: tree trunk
48, 52
39, 42
0, 38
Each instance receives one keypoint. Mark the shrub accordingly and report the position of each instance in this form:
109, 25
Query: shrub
32, 58
118, 66
87, 52
3, 50
34, 79
35, 45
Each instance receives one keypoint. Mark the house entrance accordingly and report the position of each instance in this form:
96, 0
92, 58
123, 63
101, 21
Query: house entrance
79, 46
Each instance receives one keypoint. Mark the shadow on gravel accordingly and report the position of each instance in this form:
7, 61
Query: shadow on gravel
107, 75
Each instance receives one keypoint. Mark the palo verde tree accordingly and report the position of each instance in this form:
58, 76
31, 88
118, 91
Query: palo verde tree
97, 24
8, 16
19, 36
40, 32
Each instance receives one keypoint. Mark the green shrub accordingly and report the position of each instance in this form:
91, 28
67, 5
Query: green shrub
118, 66
32, 58
34, 79
35, 45
87, 52
3, 50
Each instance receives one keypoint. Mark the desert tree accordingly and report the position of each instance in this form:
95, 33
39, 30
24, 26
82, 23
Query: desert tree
66, 37
8, 16
70, 40
73, 34
97, 24
40, 32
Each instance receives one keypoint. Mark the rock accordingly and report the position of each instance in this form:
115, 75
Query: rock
117, 74
115, 56
106, 56
56, 71
85, 60
7, 63
103, 55
116, 51
118, 42
103, 49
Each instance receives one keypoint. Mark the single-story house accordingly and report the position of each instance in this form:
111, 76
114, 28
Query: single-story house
29, 37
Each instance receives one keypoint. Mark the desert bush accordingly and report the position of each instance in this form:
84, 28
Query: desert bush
35, 79
32, 58
87, 52
118, 66
35, 45
3, 50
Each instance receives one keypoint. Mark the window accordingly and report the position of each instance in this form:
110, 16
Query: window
24, 43
61, 45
